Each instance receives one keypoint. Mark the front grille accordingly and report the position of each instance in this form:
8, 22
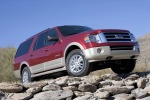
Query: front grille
121, 48
114, 37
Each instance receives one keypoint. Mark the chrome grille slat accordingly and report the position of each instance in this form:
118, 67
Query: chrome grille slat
114, 37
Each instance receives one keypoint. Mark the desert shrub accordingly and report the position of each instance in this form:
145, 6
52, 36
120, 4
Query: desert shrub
6, 64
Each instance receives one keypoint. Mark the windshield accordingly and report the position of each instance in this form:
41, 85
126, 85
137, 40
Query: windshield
71, 30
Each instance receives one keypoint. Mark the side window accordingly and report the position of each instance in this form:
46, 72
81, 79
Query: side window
24, 48
39, 42
51, 32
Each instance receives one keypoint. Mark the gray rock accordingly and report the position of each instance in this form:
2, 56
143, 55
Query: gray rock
148, 75
19, 96
34, 90
91, 80
111, 77
51, 87
87, 88
116, 89
102, 95
121, 97
117, 83
78, 93
139, 93
141, 83
2, 94
74, 83
105, 83
85, 97
132, 77
145, 98
35, 84
130, 83
147, 89
88, 97
53, 95
51, 81
62, 80
11, 88
73, 88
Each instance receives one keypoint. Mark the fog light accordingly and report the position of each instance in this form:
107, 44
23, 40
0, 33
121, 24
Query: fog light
99, 50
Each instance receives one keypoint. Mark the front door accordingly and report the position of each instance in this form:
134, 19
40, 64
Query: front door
53, 53
37, 55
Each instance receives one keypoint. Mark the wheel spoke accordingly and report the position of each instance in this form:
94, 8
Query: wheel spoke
76, 63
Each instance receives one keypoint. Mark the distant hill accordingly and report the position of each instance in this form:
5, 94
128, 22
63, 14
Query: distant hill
143, 62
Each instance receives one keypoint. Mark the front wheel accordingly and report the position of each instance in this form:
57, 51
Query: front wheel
76, 63
26, 75
123, 66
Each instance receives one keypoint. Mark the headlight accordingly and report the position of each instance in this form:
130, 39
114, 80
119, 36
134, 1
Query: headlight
92, 38
132, 37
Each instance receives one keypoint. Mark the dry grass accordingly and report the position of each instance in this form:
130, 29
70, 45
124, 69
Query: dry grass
6, 64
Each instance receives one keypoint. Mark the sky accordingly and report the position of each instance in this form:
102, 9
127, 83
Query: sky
21, 19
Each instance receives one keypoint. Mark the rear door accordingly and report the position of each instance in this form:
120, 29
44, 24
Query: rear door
53, 53
37, 55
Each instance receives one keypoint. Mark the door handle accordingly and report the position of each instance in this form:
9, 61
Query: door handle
46, 49
31, 55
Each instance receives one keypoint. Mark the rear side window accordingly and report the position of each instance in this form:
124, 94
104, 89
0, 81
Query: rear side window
24, 48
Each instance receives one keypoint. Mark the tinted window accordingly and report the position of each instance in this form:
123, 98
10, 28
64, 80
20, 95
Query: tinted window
51, 32
23, 48
70, 30
39, 42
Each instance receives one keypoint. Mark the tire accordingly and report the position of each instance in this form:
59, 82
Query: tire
76, 64
124, 66
26, 75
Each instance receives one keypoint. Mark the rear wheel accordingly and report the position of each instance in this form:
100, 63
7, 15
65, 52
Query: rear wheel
77, 64
123, 66
26, 75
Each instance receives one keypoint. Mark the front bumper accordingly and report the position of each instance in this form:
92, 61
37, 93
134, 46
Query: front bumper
105, 53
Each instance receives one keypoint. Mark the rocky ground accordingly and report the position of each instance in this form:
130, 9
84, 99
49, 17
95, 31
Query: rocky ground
135, 86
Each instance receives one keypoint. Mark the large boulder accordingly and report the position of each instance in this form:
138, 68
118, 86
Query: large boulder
87, 88
91, 80
35, 84
73, 88
79, 94
141, 83
34, 90
53, 95
62, 81
51, 87
121, 96
11, 88
74, 81
102, 95
111, 77
132, 77
145, 98
117, 89
85, 97
19, 96
139, 93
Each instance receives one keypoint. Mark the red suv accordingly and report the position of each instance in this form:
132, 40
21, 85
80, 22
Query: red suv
75, 49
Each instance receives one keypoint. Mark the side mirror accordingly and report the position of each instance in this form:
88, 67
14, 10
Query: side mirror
52, 38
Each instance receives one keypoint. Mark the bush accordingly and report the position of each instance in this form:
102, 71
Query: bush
6, 64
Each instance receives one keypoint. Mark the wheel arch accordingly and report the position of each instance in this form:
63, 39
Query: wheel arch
22, 66
72, 46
